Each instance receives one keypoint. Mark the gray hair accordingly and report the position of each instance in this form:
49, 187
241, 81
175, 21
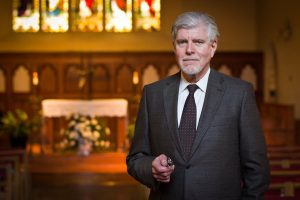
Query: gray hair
190, 20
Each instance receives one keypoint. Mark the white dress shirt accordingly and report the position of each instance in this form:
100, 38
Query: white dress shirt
199, 95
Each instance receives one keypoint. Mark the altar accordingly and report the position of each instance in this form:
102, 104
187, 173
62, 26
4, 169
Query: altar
55, 111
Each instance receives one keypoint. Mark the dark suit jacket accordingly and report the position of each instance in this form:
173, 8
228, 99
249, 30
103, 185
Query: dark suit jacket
228, 158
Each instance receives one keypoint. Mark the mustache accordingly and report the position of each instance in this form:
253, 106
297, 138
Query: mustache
190, 59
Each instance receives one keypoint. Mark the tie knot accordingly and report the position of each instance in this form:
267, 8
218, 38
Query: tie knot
192, 88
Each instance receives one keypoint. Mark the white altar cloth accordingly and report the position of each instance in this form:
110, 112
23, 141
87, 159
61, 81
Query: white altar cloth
96, 107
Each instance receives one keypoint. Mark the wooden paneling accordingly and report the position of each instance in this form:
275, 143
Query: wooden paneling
105, 75
237, 61
297, 131
48, 79
278, 124
109, 75
124, 79
73, 74
91, 75
100, 79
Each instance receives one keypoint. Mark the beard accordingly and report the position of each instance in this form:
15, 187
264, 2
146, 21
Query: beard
191, 69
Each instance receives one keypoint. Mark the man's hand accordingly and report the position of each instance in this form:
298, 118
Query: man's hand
161, 170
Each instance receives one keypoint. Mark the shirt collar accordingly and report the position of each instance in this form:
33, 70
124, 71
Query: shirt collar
202, 83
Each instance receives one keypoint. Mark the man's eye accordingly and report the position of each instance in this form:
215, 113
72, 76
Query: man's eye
181, 42
198, 42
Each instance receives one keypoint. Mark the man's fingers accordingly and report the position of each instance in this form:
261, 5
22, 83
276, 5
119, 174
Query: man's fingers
162, 178
163, 161
161, 169
165, 174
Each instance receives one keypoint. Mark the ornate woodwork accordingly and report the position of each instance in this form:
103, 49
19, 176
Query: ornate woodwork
96, 75
102, 74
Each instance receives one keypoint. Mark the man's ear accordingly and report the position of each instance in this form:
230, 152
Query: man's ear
214, 46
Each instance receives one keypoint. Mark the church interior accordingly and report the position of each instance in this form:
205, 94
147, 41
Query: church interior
57, 75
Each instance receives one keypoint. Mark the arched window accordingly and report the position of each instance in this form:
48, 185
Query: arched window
225, 70
55, 15
86, 15
147, 14
21, 80
2, 81
150, 75
248, 74
26, 16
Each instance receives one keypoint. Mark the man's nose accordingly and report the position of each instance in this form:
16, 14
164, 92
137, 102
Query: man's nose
189, 48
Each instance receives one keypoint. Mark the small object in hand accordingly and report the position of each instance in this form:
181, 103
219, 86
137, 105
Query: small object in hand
170, 162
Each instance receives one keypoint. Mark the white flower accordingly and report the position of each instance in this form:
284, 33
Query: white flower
73, 135
96, 134
94, 121
86, 123
72, 123
88, 129
87, 134
98, 127
84, 128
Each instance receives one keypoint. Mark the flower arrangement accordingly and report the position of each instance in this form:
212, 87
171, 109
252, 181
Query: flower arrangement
85, 133
18, 125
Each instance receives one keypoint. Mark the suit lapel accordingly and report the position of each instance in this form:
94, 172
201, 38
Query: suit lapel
213, 98
170, 104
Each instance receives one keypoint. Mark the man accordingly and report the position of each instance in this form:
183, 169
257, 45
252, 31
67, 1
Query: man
214, 143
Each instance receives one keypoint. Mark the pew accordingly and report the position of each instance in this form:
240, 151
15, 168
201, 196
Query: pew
285, 173
282, 164
283, 191
17, 160
6, 182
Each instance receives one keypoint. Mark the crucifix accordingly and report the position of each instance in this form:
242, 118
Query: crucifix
85, 78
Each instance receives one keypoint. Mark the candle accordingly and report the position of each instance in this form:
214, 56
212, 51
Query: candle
35, 78
135, 78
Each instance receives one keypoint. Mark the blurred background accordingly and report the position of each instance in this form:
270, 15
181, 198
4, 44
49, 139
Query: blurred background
66, 64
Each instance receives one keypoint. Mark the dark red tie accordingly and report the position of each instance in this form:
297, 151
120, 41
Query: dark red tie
187, 127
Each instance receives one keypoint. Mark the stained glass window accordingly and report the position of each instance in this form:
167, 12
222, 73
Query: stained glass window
147, 14
87, 15
55, 15
118, 15
26, 15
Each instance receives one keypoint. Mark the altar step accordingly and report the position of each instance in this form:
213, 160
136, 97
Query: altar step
98, 176
103, 176
86, 186
109, 162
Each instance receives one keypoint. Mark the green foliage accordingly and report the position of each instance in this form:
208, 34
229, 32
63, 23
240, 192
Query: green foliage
17, 123
131, 128
130, 133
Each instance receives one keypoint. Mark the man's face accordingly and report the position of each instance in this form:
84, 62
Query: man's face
194, 50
